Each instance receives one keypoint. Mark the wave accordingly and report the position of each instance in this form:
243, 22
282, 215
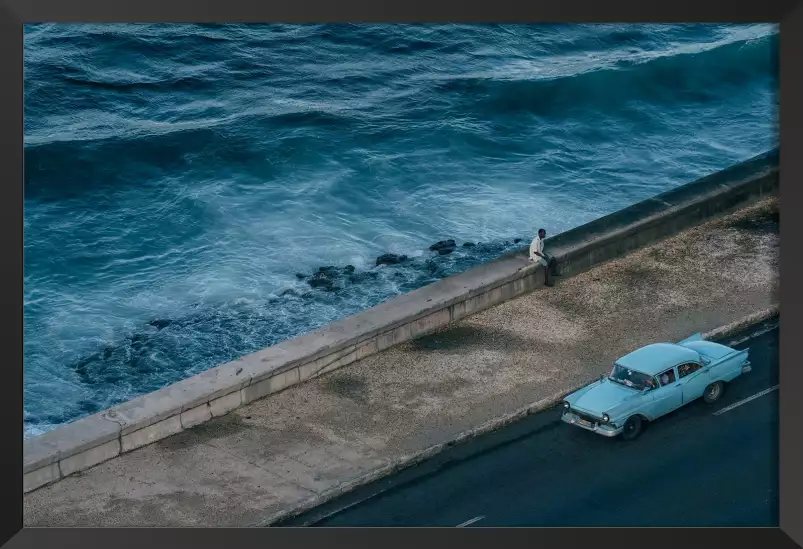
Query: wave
681, 77
62, 169
132, 37
176, 83
57, 169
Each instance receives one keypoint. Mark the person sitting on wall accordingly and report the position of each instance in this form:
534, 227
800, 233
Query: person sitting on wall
538, 255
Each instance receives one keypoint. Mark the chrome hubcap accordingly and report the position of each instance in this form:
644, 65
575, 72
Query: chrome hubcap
713, 392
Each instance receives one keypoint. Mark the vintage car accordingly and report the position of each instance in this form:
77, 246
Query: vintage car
651, 382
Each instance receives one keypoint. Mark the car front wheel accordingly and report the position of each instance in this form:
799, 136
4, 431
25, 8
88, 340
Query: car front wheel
713, 392
632, 428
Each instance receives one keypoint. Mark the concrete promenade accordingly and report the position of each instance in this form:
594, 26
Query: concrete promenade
274, 454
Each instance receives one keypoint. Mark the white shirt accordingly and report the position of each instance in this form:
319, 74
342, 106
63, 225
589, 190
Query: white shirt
537, 246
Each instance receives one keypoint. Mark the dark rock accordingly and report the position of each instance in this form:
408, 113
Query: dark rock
320, 280
468, 244
325, 277
301, 276
445, 251
390, 259
444, 245
516, 240
432, 267
328, 272
160, 324
363, 276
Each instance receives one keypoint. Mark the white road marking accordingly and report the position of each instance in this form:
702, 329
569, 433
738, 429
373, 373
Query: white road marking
746, 400
472, 521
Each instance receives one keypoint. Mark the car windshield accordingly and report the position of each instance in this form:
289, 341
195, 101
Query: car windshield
631, 378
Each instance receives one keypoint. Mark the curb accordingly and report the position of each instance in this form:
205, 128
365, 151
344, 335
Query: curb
758, 317
413, 459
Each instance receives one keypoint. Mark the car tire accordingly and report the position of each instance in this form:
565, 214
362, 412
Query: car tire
713, 392
632, 428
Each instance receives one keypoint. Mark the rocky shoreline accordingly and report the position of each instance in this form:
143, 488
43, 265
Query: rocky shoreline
146, 352
332, 278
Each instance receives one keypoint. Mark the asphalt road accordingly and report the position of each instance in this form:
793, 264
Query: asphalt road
699, 466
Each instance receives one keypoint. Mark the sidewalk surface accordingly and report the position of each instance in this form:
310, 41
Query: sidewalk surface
275, 453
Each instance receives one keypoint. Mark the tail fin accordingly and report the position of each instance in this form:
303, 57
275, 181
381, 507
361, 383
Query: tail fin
696, 337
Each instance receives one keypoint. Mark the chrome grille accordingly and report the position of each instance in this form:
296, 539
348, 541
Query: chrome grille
585, 417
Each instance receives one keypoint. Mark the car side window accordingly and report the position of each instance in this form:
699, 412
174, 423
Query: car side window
687, 369
667, 377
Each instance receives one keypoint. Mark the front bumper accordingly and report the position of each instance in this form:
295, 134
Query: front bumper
604, 430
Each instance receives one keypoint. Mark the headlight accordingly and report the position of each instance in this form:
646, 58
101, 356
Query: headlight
606, 418
566, 405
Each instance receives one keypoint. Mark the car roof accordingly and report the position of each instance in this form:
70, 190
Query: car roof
657, 357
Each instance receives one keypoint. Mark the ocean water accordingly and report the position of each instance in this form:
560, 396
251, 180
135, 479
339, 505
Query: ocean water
182, 182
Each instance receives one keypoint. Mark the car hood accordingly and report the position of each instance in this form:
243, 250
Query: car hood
603, 396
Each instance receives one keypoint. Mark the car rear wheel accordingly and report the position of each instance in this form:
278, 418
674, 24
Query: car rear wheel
713, 392
632, 428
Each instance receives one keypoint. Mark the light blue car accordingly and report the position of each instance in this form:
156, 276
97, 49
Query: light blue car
651, 382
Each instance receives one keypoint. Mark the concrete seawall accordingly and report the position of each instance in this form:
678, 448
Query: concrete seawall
149, 418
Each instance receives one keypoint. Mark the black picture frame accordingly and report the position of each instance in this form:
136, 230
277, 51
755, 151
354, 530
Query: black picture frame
14, 14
